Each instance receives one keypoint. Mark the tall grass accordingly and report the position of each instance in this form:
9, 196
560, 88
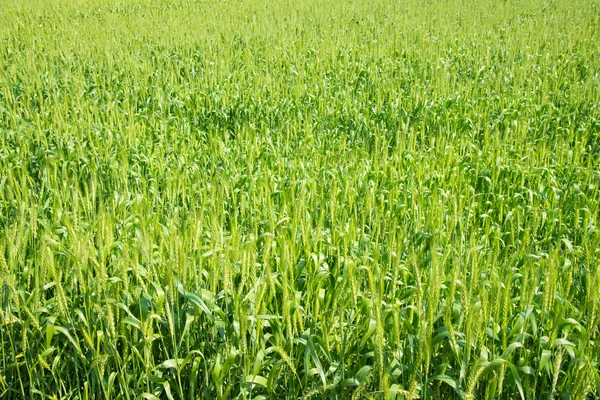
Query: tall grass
299, 199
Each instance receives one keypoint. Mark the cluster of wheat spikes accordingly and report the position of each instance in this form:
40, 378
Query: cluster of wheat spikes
299, 199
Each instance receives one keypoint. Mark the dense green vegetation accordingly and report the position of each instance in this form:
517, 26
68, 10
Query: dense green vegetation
299, 199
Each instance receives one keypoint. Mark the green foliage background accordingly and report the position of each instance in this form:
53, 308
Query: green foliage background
299, 199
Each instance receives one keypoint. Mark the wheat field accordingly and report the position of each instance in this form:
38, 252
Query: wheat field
299, 199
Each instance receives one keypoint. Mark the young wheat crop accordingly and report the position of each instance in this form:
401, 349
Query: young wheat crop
299, 199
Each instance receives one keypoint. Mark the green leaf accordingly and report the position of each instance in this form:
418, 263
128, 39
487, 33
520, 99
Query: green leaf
370, 330
597, 379
199, 302
257, 380
439, 337
527, 370
133, 322
50, 330
362, 373
216, 372
175, 363
544, 360
311, 347
167, 387
350, 382
66, 333
493, 365
510, 349
446, 379
568, 322
81, 316
517, 379
48, 352
567, 345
